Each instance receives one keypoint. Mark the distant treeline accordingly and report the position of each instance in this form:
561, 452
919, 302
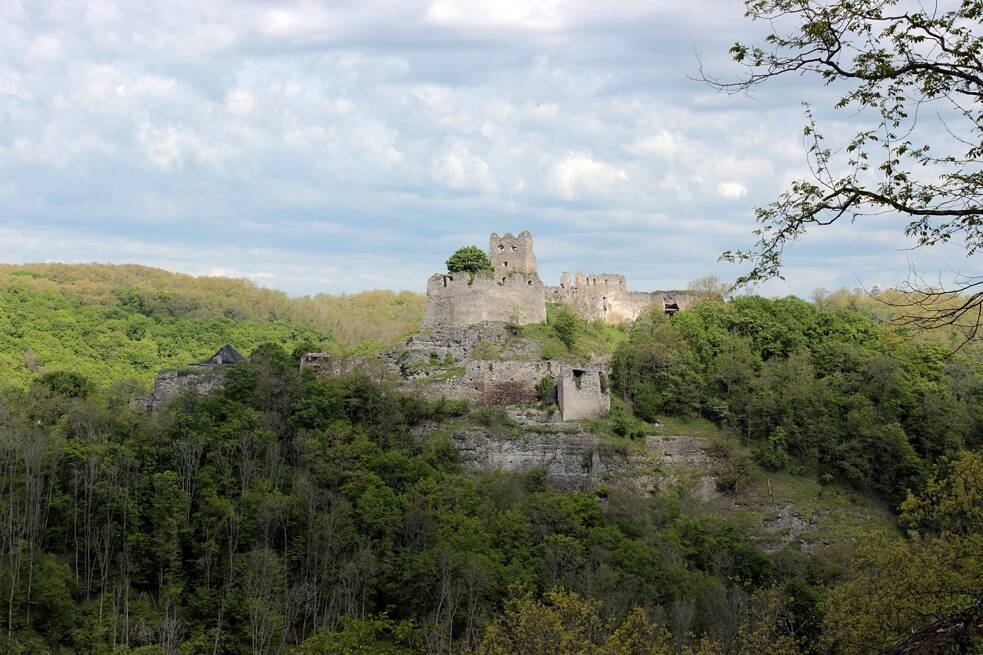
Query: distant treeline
114, 323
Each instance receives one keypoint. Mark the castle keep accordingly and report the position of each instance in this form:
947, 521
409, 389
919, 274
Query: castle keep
512, 292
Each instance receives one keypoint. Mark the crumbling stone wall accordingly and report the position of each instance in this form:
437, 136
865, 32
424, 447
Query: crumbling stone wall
606, 298
201, 380
511, 254
491, 383
452, 345
458, 299
582, 393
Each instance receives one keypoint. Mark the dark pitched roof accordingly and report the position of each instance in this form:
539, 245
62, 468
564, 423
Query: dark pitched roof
226, 356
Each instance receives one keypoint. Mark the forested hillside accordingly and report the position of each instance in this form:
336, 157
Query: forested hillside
847, 397
291, 511
291, 514
114, 323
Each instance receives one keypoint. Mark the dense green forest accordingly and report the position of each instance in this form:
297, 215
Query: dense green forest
116, 323
291, 514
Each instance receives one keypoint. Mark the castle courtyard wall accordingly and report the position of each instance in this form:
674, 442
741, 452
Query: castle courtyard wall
171, 384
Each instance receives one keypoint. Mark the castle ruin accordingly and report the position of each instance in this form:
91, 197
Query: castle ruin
511, 293
202, 379
514, 293
468, 349
606, 298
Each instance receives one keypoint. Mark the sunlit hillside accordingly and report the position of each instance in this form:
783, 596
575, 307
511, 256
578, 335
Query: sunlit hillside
117, 322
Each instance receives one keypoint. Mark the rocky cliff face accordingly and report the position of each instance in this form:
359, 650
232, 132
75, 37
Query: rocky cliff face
573, 458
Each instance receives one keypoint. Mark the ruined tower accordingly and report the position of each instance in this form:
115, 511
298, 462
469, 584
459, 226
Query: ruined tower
511, 293
511, 254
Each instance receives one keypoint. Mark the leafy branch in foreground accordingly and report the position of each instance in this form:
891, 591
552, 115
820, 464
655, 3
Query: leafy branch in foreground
901, 64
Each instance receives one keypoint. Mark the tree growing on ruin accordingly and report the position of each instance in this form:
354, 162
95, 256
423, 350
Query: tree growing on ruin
469, 259
915, 73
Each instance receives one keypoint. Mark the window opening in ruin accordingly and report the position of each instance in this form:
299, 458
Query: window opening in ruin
514, 249
529, 282
578, 376
503, 280
505, 264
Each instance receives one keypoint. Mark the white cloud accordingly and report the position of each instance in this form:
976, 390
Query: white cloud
532, 14
580, 177
732, 190
239, 101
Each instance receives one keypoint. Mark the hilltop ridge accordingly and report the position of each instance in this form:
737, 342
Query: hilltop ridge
114, 322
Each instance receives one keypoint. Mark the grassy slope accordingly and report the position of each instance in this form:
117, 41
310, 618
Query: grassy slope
596, 340
113, 323
842, 514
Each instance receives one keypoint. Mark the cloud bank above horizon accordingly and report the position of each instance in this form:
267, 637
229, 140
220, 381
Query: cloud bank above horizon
318, 147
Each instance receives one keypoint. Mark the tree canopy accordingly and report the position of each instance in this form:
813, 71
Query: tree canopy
469, 259
914, 78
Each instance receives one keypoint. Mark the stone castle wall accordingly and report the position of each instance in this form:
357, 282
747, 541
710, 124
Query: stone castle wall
202, 381
457, 299
606, 298
581, 392
513, 292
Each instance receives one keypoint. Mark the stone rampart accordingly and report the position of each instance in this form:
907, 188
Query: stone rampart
606, 298
459, 299
378, 367
201, 381
580, 392
491, 383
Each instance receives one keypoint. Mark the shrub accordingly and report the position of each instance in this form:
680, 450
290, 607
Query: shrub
772, 456
546, 389
67, 383
491, 416
734, 469
486, 350
567, 325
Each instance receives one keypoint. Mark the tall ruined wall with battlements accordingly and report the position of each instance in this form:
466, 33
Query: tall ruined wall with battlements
458, 299
606, 298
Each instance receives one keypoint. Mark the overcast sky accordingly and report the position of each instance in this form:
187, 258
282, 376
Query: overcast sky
341, 146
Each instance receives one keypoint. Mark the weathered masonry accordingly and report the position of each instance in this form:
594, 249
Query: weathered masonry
201, 379
514, 293
511, 293
582, 394
606, 298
